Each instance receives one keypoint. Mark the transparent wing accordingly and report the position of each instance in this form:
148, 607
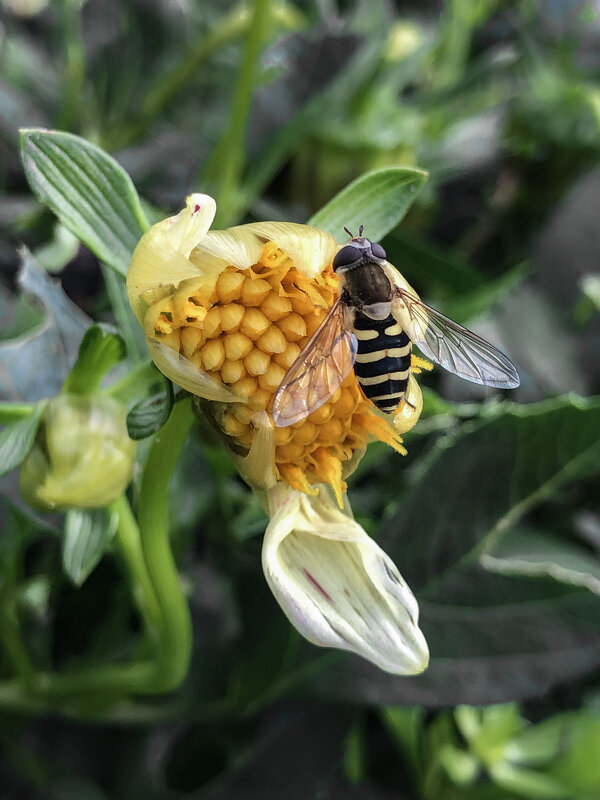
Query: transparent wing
455, 348
319, 370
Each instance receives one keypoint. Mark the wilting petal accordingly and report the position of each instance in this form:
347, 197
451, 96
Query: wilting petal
337, 586
310, 249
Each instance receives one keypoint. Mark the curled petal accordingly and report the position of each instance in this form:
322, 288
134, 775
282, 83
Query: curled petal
258, 467
187, 375
337, 586
309, 248
161, 258
186, 229
410, 410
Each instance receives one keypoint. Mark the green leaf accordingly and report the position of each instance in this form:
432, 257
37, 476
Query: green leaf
151, 413
378, 200
100, 349
568, 745
16, 440
87, 190
480, 480
492, 637
35, 364
87, 535
527, 782
430, 268
523, 551
481, 300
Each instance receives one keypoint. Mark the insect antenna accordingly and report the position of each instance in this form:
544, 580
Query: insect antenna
348, 232
360, 230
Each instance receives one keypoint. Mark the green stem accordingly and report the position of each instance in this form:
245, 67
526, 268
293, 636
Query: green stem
176, 630
74, 65
12, 412
15, 649
129, 543
224, 170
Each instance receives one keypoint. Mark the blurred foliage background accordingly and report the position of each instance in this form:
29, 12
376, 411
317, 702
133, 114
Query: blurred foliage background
493, 517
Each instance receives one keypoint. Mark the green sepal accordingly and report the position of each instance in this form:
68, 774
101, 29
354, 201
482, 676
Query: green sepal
100, 349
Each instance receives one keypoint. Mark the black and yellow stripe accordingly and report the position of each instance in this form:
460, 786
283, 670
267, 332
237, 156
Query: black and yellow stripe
382, 363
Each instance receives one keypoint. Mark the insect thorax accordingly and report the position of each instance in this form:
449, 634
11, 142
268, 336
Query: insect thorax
367, 285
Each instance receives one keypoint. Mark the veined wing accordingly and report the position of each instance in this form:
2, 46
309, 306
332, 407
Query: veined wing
455, 348
319, 370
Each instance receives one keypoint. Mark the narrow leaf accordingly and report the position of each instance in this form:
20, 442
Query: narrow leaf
377, 200
151, 413
100, 349
16, 440
87, 190
87, 535
523, 551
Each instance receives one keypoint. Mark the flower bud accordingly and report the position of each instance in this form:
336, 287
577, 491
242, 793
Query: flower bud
82, 456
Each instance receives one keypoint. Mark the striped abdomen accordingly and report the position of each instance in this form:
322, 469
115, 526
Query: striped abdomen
382, 363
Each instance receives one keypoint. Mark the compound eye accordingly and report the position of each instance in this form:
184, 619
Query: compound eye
346, 256
377, 250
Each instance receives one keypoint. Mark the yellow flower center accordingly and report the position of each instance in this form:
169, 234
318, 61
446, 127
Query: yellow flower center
246, 331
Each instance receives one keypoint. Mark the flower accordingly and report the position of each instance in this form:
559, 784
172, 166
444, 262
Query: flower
337, 586
226, 313
82, 456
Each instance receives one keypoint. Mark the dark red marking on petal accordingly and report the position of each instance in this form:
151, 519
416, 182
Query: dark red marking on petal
316, 583
196, 209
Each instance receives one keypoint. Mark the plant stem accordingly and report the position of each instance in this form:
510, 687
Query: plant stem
224, 169
130, 545
14, 647
12, 412
74, 65
176, 630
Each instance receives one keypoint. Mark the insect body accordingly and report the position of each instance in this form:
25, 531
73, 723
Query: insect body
372, 326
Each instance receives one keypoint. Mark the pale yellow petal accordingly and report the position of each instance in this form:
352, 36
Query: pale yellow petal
161, 257
311, 249
337, 586
237, 246
185, 374
410, 409
258, 467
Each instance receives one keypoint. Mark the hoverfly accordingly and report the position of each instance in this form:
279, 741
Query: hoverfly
372, 327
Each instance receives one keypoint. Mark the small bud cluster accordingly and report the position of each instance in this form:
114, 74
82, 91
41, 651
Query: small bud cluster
246, 332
